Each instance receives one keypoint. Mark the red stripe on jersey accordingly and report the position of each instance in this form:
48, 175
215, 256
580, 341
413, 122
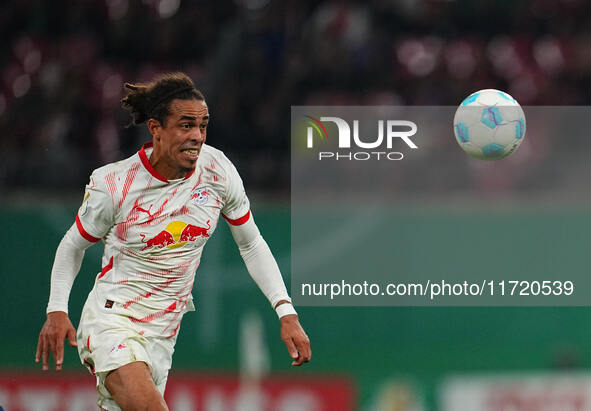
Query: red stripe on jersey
182, 269
137, 299
131, 173
88, 344
152, 317
176, 330
106, 268
238, 221
132, 217
111, 185
83, 232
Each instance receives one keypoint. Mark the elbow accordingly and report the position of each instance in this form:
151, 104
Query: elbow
250, 248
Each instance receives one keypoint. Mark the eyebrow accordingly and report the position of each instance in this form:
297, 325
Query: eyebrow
192, 118
188, 118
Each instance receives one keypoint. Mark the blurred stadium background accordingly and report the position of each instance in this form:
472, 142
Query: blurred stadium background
62, 65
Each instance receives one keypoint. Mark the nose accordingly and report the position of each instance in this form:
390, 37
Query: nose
198, 135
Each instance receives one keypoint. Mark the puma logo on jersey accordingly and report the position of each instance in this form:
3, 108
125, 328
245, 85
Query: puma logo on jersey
143, 210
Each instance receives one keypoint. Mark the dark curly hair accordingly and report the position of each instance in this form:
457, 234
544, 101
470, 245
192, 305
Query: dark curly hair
152, 100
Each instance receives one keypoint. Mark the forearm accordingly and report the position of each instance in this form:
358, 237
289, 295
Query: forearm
263, 269
262, 266
67, 262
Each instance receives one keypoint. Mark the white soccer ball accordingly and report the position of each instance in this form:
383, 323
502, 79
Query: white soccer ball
489, 124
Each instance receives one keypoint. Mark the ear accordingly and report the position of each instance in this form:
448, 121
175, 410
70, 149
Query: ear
154, 128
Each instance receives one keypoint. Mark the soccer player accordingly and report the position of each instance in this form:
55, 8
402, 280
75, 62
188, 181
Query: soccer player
154, 211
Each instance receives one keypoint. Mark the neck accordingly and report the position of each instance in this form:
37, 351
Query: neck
165, 168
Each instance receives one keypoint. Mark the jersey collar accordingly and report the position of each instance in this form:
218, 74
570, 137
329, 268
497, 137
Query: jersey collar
150, 168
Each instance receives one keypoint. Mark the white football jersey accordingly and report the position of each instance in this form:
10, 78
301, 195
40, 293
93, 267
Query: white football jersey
154, 232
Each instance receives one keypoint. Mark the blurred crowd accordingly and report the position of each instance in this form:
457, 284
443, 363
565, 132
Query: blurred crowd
63, 64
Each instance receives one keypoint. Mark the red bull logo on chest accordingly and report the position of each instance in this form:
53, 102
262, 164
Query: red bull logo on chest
176, 234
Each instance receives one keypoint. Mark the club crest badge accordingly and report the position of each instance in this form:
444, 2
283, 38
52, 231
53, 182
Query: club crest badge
200, 196
84, 206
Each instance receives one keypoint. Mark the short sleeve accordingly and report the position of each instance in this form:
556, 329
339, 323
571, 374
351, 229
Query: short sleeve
95, 215
236, 209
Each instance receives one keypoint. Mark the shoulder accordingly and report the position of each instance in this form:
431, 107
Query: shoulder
215, 158
217, 168
103, 174
215, 154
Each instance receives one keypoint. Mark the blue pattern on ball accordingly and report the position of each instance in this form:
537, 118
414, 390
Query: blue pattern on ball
493, 150
470, 99
519, 129
506, 96
462, 133
491, 117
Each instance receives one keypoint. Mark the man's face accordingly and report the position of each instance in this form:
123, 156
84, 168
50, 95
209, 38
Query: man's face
179, 143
